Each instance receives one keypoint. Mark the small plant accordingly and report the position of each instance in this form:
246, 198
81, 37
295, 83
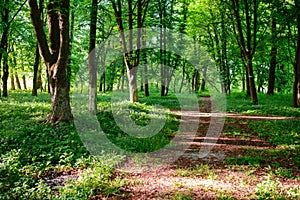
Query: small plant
224, 195
269, 189
182, 196
96, 180
284, 172
254, 161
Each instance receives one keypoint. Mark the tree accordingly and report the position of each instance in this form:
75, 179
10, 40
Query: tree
37, 59
55, 57
131, 58
247, 44
3, 46
273, 54
92, 60
5, 13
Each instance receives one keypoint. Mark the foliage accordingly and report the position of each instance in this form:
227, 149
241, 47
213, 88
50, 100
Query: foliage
31, 149
277, 105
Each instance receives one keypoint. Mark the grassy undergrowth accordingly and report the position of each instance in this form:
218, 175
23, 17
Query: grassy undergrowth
277, 105
31, 150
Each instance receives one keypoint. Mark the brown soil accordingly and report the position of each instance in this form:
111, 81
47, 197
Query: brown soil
211, 177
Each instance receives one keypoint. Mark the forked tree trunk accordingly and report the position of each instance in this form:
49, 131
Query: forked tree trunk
131, 57
247, 43
55, 57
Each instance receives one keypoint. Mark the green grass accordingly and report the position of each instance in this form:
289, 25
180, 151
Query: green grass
277, 105
31, 149
278, 132
140, 116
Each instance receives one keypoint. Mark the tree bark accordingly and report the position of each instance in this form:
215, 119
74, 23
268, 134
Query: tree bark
55, 57
35, 71
92, 60
247, 44
12, 81
131, 57
17, 81
24, 82
3, 47
273, 54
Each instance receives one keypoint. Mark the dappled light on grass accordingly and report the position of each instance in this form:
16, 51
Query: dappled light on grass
253, 159
277, 105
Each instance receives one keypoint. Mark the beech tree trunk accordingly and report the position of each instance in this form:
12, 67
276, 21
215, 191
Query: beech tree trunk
55, 57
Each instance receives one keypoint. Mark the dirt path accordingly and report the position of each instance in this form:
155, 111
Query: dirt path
211, 177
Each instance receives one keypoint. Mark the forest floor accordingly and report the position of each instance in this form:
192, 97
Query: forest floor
256, 156
241, 165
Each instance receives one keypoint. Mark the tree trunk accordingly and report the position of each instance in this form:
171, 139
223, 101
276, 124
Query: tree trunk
123, 79
35, 71
247, 44
146, 91
273, 62
92, 60
131, 75
18, 81
243, 80
5, 78
142, 83
131, 58
252, 87
3, 47
144, 57
182, 78
24, 82
12, 81
39, 79
55, 58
